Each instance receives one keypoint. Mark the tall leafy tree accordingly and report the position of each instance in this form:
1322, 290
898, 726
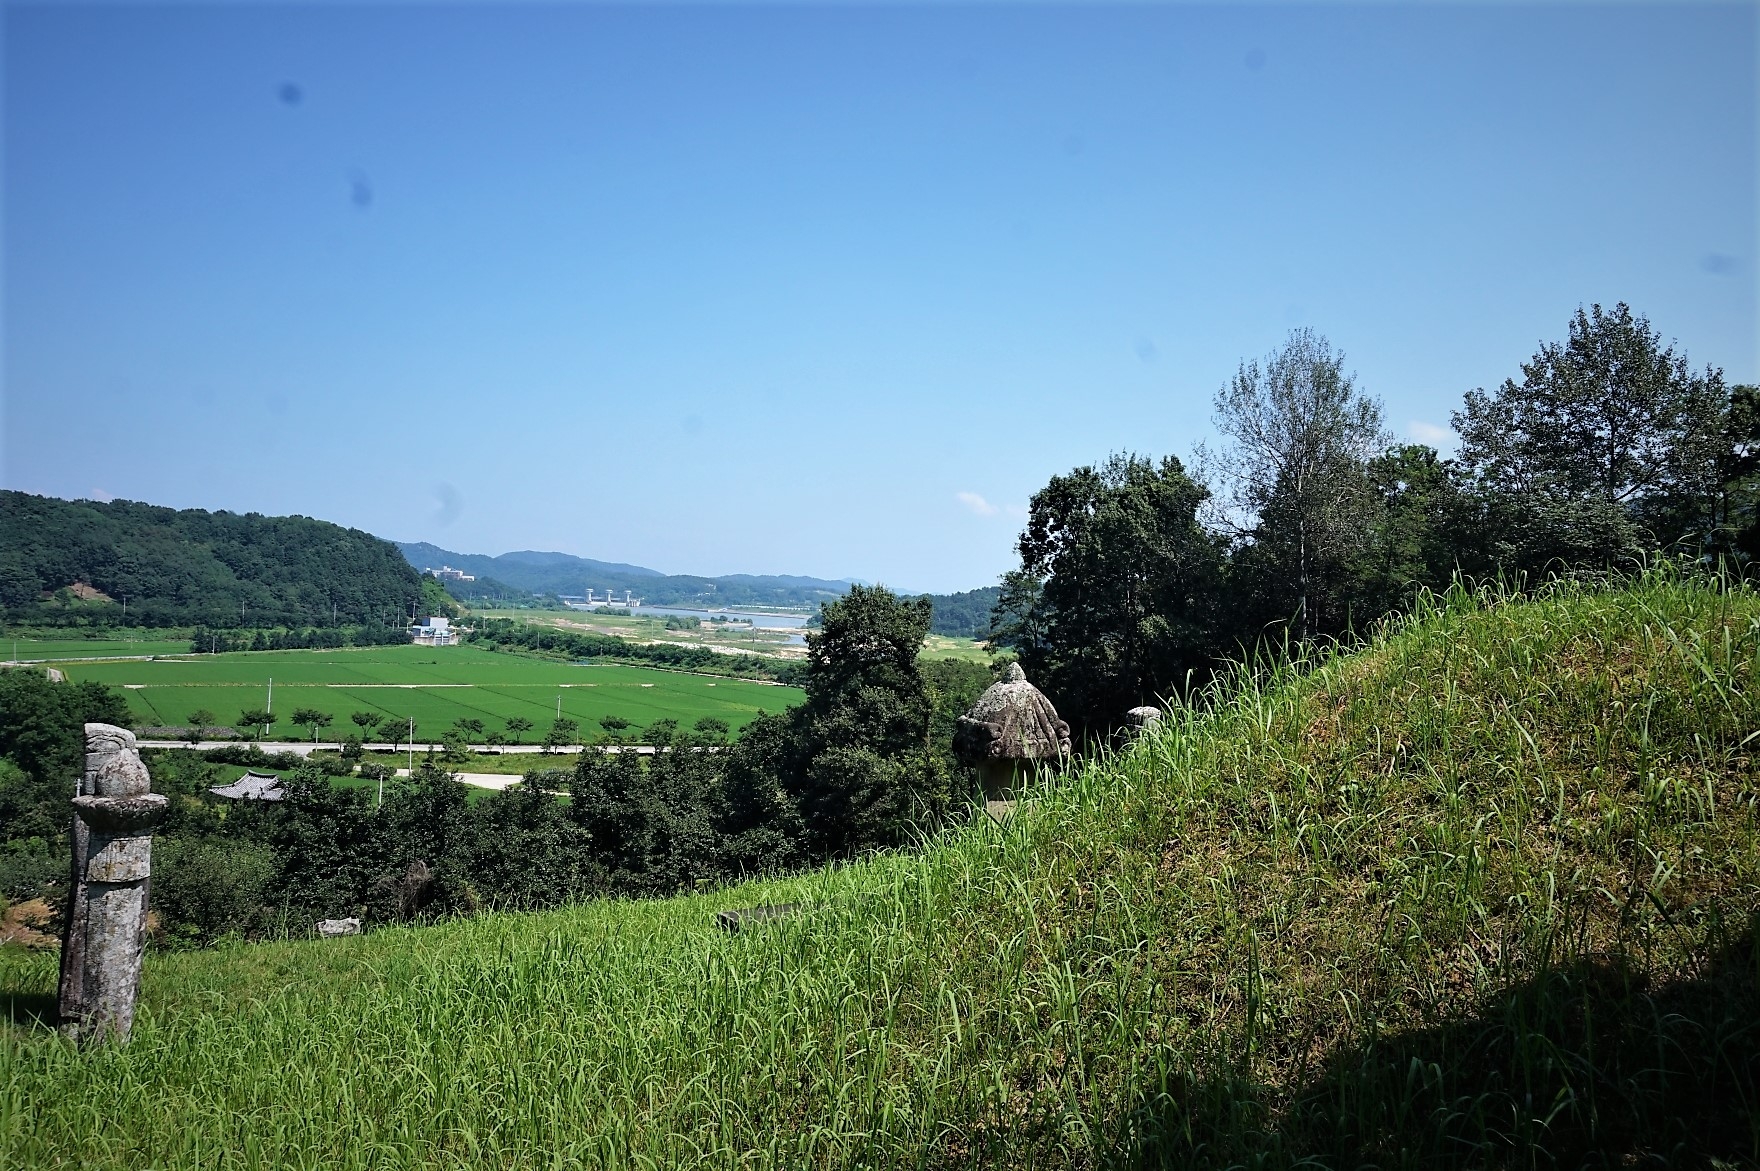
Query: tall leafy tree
312, 719
1298, 438
1423, 531
851, 768
865, 773
1608, 444
1114, 600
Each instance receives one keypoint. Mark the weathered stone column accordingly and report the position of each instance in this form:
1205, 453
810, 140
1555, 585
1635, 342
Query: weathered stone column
1007, 734
106, 928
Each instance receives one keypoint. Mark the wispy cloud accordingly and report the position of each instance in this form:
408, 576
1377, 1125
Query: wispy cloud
101, 496
975, 502
1429, 432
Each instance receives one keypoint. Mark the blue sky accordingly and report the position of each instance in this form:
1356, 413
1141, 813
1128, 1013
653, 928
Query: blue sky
812, 289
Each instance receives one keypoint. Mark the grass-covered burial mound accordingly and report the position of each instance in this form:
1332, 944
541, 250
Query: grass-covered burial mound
1485, 886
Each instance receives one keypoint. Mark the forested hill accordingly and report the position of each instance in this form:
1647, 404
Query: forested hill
964, 615
64, 560
563, 573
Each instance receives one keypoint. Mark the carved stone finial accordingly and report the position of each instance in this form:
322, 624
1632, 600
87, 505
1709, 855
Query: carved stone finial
1009, 729
106, 927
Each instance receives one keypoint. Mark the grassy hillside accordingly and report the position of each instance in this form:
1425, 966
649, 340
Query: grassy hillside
1489, 883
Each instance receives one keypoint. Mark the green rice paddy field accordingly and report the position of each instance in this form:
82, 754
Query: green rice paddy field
34, 649
434, 686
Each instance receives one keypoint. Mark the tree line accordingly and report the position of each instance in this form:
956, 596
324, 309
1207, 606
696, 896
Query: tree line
1307, 521
577, 644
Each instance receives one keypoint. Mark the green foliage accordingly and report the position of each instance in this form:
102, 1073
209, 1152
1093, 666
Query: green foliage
195, 567
312, 719
1299, 438
860, 773
255, 721
563, 732
1610, 442
42, 756
30, 867
205, 888
525, 851
435, 601
711, 727
1119, 580
963, 615
649, 822
455, 748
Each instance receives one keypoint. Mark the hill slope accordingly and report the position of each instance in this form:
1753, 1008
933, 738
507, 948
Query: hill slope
1489, 884
193, 567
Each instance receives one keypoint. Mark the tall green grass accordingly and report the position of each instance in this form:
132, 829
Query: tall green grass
1482, 893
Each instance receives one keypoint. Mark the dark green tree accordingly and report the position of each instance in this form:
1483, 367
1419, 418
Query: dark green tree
862, 772
312, 719
650, 820
256, 721
1609, 444
562, 733
1126, 590
525, 852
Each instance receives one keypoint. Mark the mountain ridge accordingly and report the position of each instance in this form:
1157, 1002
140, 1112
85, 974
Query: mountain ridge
548, 572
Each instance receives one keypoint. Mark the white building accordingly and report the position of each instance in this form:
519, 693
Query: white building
433, 632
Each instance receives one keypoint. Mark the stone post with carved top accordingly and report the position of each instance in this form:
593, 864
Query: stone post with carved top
106, 924
1011, 731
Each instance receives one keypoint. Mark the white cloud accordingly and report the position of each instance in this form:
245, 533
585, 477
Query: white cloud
101, 496
975, 502
1429, 433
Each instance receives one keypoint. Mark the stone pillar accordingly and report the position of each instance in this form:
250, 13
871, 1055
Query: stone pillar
1010, 732
106, 928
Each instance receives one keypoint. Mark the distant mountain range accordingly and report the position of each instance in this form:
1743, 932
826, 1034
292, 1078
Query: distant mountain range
564, 574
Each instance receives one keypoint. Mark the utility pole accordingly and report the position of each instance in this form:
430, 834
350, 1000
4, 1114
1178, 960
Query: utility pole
412, 755
271, 704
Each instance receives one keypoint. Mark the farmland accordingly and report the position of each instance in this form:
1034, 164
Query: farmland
27, 649
432, 686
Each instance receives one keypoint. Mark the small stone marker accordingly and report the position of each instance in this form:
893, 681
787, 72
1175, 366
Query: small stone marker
733, 921
331, 928
106, 928
1009, 731
1141, 719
